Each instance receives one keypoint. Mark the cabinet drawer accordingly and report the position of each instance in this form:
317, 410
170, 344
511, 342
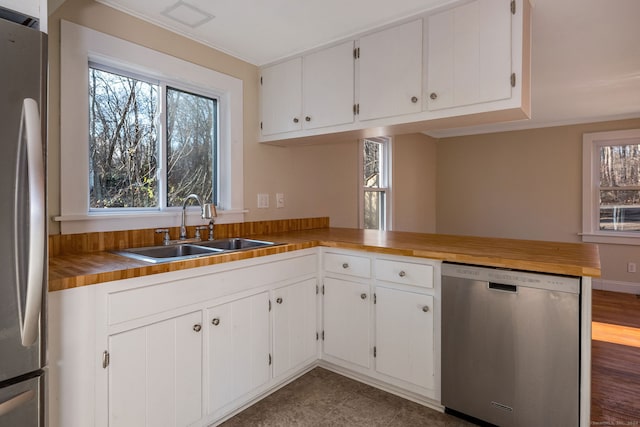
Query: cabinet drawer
347, 264
407, 273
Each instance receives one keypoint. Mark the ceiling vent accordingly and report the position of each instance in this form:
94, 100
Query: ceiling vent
187, 14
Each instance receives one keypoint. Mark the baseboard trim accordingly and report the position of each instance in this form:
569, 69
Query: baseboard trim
616, 286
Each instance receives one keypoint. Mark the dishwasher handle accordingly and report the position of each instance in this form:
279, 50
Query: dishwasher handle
502, 287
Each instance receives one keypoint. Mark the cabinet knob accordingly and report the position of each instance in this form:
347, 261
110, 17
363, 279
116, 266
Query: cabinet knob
197, 327
363, 296
425, 308
433, 95
402, 273
345, 265
307, 119
215, 321
414, 99
295, 120
279, 300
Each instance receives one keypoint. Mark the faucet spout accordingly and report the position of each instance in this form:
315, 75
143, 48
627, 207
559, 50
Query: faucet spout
183, 227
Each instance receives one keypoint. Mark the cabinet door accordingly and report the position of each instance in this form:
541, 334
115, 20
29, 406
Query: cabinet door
328, 85
469, 54
346, 321
391, 72
294, 326
238, 345
404, 336
155, 374
281, 97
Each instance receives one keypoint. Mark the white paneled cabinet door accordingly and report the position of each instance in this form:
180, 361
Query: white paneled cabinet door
390, 72
469, 54
294, 326
155, 374
281, 97
347, 323
328, 86
405, 336
238, 347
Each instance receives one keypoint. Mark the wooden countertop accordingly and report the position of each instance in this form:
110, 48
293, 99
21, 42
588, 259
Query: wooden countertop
575, 259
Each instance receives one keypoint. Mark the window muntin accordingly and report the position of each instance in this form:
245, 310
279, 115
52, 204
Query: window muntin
374, 177
619, 187
127, 147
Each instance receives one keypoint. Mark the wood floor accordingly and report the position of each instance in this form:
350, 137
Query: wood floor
615, 373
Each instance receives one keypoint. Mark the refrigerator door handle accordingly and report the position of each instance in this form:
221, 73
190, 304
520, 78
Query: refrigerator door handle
16, 401
30, 133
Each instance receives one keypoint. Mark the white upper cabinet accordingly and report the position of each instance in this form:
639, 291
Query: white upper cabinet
281, 97
327, 86
390, 72
469, 54
309, 92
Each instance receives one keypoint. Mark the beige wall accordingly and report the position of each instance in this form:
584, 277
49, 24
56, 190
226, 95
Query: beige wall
523, 184
414, 183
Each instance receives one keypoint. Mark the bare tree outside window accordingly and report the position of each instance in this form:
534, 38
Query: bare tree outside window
620, 187
124, 141
374, 183
191, 138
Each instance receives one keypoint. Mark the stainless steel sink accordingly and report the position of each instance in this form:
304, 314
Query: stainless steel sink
156, 254
235, 244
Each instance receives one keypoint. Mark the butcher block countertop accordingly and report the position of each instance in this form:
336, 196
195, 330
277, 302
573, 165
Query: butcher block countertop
574, 259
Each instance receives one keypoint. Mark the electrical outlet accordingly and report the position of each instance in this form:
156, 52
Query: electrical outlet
263, 200
631, 267
279, 200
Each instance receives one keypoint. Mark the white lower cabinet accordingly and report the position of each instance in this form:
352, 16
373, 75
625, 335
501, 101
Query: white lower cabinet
405, 336
155, 374
238, 347
294, 326
347, 322
384, 325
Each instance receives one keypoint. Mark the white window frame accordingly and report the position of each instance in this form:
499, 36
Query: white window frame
79, 47
385, 174
591, 143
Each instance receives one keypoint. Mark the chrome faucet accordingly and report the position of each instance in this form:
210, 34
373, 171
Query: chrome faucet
205, 213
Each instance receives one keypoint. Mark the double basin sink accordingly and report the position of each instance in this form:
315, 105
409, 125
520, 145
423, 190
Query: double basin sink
181, 251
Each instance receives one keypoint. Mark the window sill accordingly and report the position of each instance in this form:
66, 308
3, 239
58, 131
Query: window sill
614, 238
95, 222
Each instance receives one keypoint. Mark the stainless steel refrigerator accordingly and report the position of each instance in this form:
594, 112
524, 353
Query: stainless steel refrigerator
23, 234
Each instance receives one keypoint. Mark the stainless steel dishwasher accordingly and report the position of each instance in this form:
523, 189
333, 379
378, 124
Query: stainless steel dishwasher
510, 346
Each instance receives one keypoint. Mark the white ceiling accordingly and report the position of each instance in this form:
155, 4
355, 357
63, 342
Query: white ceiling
585, 53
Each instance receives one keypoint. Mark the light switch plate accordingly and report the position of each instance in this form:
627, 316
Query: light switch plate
263, 200
279, 200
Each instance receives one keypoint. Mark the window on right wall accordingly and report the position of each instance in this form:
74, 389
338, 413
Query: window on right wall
611, 187
375, 183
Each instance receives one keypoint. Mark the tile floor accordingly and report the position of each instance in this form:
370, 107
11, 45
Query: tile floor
323, 398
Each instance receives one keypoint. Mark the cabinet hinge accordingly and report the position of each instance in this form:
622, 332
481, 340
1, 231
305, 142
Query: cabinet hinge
322, 289
317, 289
513, 79
269, 359
356, 53
356, 109
322, 335
375, 351
317, 336
105, 359
260, 80
375, 298
513, 7
261, 125
269, 305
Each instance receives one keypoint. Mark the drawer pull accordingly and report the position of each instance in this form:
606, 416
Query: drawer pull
363, 296
402, 273
279, 300
345, 265
425, 308
215, 321
197, 327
